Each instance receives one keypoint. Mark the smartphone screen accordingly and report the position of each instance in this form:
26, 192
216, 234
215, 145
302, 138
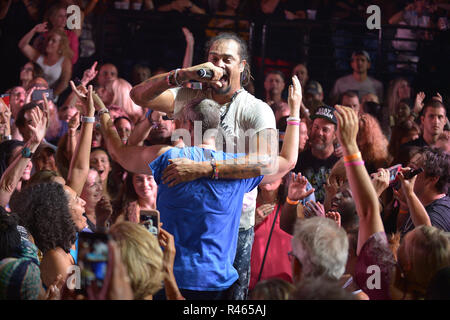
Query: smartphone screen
393, 171
92, 259
150, 220
37, 94
5, 98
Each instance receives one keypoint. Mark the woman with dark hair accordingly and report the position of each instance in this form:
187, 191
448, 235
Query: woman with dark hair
403, 132
31, 70
100, 160
43, 209
139, 192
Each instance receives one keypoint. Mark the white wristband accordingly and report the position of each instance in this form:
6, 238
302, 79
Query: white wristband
88, 119
293, 119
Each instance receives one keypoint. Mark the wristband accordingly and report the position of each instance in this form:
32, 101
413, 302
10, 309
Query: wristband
88, 119
9, 137
293, 119
175, 77
352, 157
102, 111
292, 201
401, 211
293, 123
354, 163
215, 173
169, 79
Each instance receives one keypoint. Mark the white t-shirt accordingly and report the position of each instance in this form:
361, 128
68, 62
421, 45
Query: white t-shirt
370, 85
244, 116
51, 73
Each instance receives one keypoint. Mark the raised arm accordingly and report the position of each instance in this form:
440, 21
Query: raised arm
153, 93
24, 43
14, 172
419, 215
366, 200
132, 158
264, 162
79, 165
189, 53
140, 131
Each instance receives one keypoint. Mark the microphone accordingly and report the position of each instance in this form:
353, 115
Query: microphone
205, 73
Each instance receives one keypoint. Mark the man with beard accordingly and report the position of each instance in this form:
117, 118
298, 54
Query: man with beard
317, 161
246, 124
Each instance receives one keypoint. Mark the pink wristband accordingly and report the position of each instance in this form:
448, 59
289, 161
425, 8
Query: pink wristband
293, 123
354, 163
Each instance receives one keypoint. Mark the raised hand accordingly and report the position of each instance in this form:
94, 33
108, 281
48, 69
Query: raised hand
314, 209
297, 187
380, 180
407, 184
86, 97
74, 122
335, 216
41, 27
188, 35
38, 125
262, 212
348, 125
167, 242
295, 96
418, 103
103, 211
89, 74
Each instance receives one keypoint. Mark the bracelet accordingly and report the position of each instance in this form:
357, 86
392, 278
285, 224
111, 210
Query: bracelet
293, 123
8, 137
102, 111
292, 201
354, 163
215, 173
175, 77
352, 157
401, 211
169, 78
293, 119
88, 119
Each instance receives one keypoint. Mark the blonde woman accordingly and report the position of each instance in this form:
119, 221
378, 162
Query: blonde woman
121, 97
55, 59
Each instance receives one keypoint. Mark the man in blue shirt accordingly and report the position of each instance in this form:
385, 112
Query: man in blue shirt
203, 215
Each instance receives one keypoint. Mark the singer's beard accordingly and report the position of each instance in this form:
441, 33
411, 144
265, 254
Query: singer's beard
222, 90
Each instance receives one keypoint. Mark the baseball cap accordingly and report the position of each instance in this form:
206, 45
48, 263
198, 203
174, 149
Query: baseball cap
313, 87
361, 53
325, 112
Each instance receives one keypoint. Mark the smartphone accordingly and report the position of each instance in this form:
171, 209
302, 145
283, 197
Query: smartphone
408, 175
393, 172
37, 94
150, 220
92, 259
5, 98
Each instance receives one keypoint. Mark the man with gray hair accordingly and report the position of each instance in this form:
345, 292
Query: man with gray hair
319, 248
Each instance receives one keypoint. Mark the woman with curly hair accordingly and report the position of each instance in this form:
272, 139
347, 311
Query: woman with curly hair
45, 210
373, 143
54, 59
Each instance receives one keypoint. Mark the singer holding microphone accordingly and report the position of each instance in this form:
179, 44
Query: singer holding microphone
245, 121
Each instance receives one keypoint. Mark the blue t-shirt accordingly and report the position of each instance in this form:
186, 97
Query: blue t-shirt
203, 216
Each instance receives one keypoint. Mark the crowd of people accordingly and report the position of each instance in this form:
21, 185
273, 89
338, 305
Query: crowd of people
299, 194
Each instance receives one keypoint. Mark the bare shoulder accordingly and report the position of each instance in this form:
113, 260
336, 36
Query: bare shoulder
55, 262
